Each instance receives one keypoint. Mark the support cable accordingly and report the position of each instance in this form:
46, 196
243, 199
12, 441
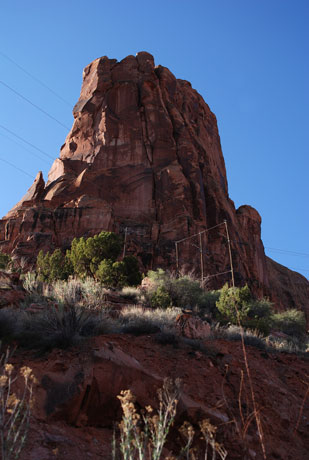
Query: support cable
34, 105
36, 79
16, 167
24, 148
26, 142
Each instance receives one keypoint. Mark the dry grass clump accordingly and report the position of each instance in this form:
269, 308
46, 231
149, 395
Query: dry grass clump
138, 320
143, 435
57, 327
133, 294
83, 292
234, 333
254, 338
287, 345
87, 292
14, 408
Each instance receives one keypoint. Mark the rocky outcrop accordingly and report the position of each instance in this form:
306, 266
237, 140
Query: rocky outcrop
192, 327
11, 289
144, 158
76, 408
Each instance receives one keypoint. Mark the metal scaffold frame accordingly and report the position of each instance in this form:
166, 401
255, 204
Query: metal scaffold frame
201, 251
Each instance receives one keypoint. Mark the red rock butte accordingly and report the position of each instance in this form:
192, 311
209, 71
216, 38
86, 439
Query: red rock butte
144, 158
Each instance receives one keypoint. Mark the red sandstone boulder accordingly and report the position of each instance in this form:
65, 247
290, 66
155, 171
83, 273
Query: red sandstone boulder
192, 327
11, 290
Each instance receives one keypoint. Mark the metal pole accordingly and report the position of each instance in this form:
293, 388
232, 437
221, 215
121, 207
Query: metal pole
124, 243
201, 256
230, 253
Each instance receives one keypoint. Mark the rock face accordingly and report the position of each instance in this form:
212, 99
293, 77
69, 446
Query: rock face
144, 158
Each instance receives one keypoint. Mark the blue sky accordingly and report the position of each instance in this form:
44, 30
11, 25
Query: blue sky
248, 59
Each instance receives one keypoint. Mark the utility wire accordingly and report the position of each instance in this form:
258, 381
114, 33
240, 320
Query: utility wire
24, 148
34, 105
288, 252
36, 79
300, 269
16, 167
26, 142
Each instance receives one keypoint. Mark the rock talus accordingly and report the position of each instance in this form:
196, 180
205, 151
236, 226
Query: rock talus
144, 157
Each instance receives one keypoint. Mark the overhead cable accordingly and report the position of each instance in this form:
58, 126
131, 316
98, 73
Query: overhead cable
299, 269
26, 142
36, 79
25, 148
16, 167
287, 252
34, 105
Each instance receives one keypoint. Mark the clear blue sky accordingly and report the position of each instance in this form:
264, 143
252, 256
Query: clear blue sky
248, 59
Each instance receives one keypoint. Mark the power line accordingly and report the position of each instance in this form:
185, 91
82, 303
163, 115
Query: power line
34, 105
26, 142
24, 148
288, 252
16, 167
300, 269
36, 79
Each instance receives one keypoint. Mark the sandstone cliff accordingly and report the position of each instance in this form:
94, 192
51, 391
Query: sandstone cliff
144, 157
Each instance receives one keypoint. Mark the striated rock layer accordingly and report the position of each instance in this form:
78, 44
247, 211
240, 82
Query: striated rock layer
144, 158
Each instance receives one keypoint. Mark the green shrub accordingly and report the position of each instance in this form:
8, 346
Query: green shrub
87, 254
158, 277
185, 292
160, 298
119, 274
111, 274
291, 322
92, 257
207, 301
55, 266
5, 260
252, 314
131, 270
259, 316
231, 299
42, 265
